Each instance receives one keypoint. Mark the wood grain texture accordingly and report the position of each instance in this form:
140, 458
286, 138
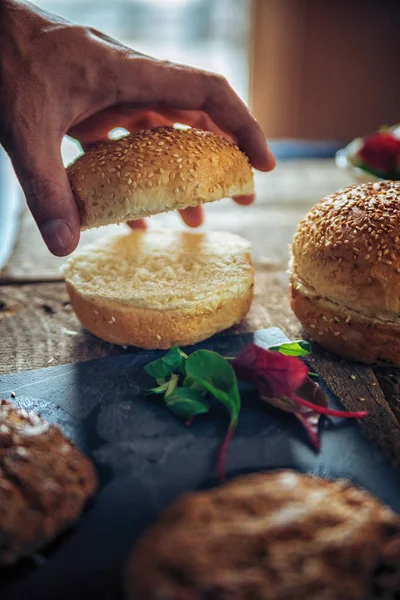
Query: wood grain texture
39, 329
357, 388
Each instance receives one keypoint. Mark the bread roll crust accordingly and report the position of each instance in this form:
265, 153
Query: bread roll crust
154, 171
345, 272
348, 248
347, 332
45, 483
278, 535
156, 329
159, 288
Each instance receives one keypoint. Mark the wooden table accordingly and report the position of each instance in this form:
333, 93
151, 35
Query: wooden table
38, 328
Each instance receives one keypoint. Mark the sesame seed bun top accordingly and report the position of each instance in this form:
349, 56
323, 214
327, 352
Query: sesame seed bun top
347, 249
155, 171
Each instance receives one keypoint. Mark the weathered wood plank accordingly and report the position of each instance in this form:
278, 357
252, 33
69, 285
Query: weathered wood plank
38, 328
357, 388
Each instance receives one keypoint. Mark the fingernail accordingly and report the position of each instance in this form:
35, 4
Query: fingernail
58, 236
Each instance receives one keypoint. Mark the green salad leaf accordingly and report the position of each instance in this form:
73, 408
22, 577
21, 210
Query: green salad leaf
170, 363
186, 403
297, 348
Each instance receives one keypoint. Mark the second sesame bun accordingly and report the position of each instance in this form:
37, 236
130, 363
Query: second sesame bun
159, 288
154, 171
345, 272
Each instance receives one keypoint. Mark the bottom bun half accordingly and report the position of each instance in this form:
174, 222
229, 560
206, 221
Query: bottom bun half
157, 329
346, 332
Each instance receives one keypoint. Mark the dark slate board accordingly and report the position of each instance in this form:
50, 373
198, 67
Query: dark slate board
146, 458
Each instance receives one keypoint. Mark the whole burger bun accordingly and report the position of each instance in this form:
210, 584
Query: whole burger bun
345, 272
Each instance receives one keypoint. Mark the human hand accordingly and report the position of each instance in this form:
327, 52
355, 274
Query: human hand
58, 78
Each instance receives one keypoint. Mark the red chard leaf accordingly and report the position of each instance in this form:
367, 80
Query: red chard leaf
282, 381
310, 390
308, 417
272, 373
310, 421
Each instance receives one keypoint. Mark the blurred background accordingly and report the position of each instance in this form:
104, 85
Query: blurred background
316, 72
209, 34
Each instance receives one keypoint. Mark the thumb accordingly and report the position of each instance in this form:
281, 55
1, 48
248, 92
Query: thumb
48, 193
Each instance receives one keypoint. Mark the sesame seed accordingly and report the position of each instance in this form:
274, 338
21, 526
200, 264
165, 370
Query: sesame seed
336, 333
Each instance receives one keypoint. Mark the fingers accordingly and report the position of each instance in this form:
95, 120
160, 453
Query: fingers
192, 216
244, 200
49, 196
96, 128
138, 224
167, 85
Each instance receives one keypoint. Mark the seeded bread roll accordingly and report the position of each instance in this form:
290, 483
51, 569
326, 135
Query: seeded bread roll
158, 288
44, 483
276, 536
154, 171
345, 272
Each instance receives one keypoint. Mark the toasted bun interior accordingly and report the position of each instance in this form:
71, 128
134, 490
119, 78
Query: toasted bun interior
157, 288
154, 171
345, 272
